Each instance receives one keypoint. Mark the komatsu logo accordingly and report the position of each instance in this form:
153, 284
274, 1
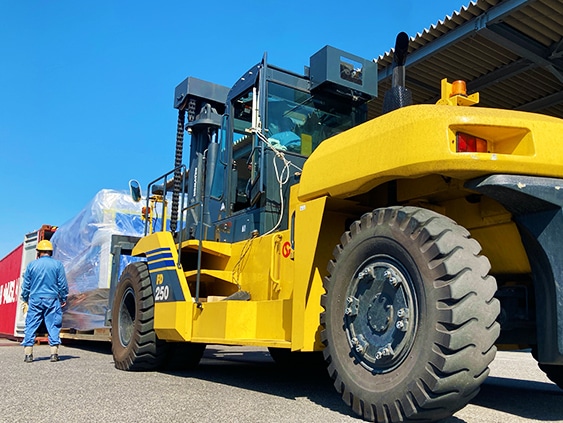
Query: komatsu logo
195, 181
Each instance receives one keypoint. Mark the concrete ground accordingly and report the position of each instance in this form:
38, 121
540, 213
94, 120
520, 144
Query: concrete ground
232, 384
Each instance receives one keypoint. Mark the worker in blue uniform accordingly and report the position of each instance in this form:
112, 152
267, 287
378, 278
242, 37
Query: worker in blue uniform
44, 293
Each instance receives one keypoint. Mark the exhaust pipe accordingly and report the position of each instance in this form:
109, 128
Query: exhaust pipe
398, 96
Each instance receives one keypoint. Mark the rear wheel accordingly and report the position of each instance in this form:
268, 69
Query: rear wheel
409, 320
297, 360
554, 373
134, 343
184, 355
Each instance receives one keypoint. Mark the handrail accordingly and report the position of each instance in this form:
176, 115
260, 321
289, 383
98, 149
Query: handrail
199, 245
183, 211
181, 168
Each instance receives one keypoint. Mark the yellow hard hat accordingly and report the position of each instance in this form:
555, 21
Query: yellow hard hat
44, 246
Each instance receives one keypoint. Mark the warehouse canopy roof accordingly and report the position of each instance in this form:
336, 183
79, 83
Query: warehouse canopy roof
511, 51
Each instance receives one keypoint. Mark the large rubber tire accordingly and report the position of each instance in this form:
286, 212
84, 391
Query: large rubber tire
554, 373
409, 316
134, 343
297, 360
184, 355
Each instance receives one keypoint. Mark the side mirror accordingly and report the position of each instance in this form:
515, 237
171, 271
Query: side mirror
135, 190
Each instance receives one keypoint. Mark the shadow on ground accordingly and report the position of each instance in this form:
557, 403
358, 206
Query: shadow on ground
256, 371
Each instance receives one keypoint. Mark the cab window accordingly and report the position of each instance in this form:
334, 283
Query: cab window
243, 141
298, 121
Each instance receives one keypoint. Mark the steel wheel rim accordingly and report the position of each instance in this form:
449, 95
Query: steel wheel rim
380, 315
127, 316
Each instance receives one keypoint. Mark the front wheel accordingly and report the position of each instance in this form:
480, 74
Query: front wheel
134, 343
409, 316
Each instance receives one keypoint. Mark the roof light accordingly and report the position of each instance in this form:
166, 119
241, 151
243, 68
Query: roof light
470, 144
455, 94
459, 88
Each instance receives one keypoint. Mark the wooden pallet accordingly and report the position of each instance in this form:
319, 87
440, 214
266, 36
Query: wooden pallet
100, 334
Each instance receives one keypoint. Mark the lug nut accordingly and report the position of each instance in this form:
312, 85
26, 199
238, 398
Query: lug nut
384, 351
402, 312
401, 325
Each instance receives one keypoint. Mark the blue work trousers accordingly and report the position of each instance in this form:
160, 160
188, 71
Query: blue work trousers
49, 310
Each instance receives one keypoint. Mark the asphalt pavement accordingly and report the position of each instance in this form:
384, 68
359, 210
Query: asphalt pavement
231, 384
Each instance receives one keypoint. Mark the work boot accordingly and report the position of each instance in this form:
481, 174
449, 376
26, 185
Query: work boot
55, 353
28, 351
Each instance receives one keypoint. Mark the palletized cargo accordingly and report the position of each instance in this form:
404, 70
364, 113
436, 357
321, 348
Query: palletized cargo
90, 246
94, 246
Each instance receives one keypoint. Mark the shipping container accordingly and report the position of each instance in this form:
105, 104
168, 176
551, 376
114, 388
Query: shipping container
10, 272
12, 267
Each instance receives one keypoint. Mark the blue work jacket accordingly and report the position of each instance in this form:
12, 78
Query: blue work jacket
45, 277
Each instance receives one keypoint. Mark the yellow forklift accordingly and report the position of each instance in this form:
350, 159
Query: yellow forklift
405, 247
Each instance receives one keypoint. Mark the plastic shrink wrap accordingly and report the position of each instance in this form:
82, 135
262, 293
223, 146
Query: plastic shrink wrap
83, 245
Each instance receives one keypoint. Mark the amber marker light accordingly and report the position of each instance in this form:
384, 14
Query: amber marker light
459, 88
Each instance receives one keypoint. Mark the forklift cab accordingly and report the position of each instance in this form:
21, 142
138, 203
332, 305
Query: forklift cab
273, 120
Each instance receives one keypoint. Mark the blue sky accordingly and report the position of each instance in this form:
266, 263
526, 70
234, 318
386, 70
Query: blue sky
86, 87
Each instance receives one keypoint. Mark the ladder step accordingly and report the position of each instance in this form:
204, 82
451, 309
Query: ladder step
220, 249
224, 275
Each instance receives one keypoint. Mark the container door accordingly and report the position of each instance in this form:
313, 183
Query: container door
10, 282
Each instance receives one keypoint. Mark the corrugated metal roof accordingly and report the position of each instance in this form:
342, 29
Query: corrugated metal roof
511, 51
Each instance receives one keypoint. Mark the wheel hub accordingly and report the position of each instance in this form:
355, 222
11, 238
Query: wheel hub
380, 316
380, 313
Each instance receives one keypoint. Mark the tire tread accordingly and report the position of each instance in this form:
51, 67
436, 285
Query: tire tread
466, 327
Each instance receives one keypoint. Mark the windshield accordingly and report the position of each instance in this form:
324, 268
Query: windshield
298, 121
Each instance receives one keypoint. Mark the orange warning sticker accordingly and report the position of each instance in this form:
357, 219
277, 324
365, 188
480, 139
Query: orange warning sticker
286, 249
